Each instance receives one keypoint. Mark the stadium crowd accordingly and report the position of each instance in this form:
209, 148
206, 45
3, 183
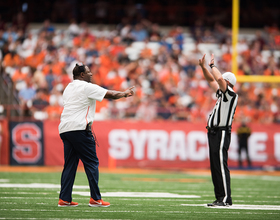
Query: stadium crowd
163, 66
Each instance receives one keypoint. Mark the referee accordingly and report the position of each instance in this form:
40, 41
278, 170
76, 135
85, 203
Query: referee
219, 129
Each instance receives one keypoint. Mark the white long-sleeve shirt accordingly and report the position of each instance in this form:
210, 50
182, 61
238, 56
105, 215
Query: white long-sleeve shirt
79, 101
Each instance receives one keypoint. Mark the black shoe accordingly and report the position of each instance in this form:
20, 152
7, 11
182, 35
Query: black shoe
222, 204
217, 203
213, 203
229, 202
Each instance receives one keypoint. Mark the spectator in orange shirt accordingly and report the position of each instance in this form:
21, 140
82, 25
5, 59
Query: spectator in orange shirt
20, 77
105, 58
113, 80
102, 43
227, 56
117, 47
272, 71
64, 79
36, 59
55, 67
12, 59
54, 111
146, 53
55, 107
170, 77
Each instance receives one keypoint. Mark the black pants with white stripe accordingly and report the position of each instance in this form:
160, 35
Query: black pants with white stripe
219, 141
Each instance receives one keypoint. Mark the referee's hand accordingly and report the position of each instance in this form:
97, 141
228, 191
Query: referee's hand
212, 60
202, 61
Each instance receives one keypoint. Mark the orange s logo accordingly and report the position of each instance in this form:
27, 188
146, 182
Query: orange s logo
26, 141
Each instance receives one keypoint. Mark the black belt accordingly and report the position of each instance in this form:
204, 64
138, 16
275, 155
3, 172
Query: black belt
88, 127
215, 129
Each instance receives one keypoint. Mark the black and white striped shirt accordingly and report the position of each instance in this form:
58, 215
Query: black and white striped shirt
223, 112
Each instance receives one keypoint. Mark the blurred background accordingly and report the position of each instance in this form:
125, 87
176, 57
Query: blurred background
153, 45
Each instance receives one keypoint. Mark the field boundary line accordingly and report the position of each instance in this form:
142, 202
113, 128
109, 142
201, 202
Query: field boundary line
47, 169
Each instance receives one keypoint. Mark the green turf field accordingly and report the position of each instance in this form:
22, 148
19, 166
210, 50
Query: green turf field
157, 195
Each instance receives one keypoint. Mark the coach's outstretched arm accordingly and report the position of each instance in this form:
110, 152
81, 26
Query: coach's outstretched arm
208, 76
111, 94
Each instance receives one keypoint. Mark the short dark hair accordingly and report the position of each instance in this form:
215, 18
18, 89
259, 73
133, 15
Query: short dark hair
78, 69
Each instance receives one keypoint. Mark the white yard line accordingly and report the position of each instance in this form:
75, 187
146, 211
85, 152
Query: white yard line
240, 206
139, 194
72, 209
37, 185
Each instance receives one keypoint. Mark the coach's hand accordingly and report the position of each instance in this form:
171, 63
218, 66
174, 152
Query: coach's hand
129, 92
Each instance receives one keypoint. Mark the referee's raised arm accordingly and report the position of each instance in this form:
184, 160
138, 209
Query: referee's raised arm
208, 76
217, 75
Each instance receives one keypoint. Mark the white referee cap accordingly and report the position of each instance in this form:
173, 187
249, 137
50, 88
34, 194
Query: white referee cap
229, 77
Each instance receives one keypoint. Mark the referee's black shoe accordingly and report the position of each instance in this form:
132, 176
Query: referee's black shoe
213, 203
222, 204
229, 202
217, 203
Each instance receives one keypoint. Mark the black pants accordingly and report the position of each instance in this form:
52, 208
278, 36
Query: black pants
219, 141
79, 145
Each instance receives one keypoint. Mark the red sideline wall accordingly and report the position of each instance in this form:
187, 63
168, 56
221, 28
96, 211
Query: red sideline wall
164, 144
4, 142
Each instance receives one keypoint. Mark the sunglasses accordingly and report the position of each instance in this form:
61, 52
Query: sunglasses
82, 68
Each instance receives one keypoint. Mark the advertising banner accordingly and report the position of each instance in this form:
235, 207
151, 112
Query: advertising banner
165, 144
53, 144
26, 143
